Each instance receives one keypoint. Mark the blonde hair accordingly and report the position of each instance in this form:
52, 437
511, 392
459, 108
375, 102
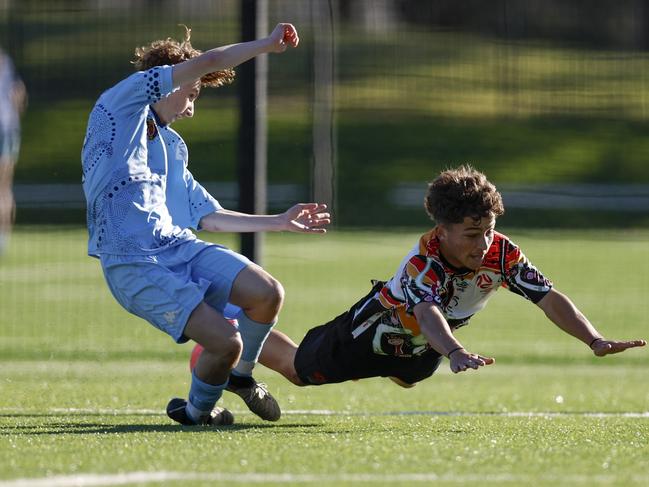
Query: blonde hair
170, 51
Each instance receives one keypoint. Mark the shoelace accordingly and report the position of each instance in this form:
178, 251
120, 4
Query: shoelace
261, 389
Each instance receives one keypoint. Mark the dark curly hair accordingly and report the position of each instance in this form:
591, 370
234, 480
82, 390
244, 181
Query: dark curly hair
170, 51
462, 192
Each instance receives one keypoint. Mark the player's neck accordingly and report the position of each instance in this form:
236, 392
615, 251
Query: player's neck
457, 267
158, 112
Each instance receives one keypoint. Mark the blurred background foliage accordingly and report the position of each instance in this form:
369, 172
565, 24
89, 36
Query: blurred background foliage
549, 94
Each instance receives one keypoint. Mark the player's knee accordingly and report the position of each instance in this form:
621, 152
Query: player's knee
225, 353
258, 293
232, 350
272, 294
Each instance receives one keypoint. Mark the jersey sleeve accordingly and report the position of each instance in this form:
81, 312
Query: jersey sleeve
140, 89
521, 277
201, 203
421, 280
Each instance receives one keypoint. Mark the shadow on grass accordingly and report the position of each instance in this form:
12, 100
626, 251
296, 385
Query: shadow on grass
80, 428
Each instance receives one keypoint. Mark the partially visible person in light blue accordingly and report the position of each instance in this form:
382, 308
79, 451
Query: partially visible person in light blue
142, 203
13, 97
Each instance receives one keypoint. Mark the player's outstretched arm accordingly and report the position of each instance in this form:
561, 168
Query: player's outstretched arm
220, 58
438, 333
301, 218
563, 313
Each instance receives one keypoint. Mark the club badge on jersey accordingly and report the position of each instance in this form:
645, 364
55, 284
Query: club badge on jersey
151, 129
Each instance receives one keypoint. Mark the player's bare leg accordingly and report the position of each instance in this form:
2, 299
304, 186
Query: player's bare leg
278, 354
220, 340
7, 204
222, 348
258, 294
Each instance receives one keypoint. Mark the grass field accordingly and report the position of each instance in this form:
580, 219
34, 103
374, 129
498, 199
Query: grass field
83, 384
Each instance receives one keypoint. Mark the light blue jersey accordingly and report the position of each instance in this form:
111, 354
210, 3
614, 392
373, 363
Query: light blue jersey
9, 115
141, 198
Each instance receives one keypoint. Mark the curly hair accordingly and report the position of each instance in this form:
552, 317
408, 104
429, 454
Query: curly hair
462, 192
170, 51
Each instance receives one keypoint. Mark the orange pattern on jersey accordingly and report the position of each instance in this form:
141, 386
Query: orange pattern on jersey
408, 321
415, 267
387, 300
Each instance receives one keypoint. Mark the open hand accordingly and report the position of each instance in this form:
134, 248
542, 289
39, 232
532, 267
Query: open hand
283, 35
462, 360
306, 218
604, 347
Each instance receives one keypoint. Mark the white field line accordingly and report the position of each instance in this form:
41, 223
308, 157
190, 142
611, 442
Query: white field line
330, 412
98, 480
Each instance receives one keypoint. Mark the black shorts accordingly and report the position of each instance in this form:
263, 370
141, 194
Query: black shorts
329, 353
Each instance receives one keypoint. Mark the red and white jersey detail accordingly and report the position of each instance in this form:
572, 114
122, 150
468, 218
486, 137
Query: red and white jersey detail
424, 276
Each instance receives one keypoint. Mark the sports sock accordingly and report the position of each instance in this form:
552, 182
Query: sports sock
202, 397
253, 336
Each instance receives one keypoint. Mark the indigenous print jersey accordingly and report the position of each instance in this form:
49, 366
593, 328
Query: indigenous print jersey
141, 198
425, 276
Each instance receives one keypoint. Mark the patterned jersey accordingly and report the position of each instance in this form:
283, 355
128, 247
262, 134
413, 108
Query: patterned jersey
9, 113
425, 276
140, 196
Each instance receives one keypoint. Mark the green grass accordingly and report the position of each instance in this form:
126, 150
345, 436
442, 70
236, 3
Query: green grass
84, 384
115, 430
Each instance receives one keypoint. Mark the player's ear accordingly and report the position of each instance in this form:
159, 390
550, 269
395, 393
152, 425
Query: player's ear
441, 231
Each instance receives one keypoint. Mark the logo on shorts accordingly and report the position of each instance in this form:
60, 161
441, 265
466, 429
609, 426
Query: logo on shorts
170, 317
397, 342
317, 378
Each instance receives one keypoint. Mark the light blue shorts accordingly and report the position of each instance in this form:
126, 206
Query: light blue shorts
166, 287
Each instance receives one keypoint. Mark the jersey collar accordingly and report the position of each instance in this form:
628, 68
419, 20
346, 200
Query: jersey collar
451, 267
157, 119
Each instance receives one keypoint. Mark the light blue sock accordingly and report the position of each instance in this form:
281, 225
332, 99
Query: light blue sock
253, 336
202, 397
